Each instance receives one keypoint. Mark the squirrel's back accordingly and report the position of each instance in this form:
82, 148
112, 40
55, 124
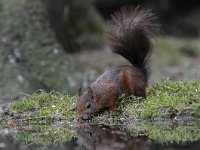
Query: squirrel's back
130, 32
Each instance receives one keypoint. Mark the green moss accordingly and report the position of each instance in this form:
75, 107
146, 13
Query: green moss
167, 100
45, 105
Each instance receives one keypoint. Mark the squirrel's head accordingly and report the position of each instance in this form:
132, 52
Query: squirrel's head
86, 104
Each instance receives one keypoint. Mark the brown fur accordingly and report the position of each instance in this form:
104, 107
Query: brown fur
129, 34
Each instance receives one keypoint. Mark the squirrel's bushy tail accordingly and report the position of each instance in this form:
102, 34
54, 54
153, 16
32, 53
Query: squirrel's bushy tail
130, 33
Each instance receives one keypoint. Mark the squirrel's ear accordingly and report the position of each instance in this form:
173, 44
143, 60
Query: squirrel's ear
80, 92
90, 92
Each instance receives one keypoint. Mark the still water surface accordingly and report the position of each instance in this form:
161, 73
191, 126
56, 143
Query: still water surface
93, 137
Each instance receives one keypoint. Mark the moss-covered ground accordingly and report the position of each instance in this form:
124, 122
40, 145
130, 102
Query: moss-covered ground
169, 100
169, 114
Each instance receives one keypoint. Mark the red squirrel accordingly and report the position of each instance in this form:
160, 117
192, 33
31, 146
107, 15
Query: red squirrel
130, 32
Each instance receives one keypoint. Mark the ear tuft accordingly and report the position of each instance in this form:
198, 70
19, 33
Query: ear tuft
80, 92
90, 91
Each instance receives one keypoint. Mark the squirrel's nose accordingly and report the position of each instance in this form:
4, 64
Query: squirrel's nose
84, 118
80, 120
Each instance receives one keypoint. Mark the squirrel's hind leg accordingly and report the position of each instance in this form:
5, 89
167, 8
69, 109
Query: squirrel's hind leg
135, 83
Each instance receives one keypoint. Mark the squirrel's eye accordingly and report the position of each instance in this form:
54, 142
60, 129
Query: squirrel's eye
87, 105
89, 134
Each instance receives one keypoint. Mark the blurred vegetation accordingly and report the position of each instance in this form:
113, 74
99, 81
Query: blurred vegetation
32, 54
75, 23
175, 59
29, 60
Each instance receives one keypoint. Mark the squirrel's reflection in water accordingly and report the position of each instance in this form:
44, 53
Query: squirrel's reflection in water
92, 137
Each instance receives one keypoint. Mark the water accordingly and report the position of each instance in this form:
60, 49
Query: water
145, 136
